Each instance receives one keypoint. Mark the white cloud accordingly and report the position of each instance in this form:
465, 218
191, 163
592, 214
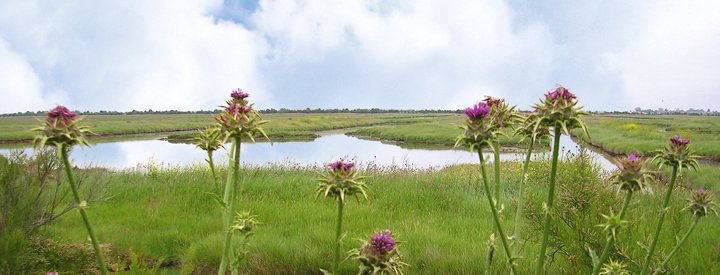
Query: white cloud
19, 86
674, 60
402, 55
120, 55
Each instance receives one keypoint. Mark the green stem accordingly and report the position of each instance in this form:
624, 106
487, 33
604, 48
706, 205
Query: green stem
496, 164
212, 169
493, 209
540, 267
229, 201
664, 210
71, 180
611, 240
338, 230
677, 247
521, 191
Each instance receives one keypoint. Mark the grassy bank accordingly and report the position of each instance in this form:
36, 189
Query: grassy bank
440, 216
645, 133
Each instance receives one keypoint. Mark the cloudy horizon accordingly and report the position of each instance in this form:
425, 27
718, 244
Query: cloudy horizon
124, 55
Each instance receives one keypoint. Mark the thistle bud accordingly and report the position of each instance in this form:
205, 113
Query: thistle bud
678, 143
631, 174
559, 109
238, 119
701, 203
63, 115
677, 154
340, 181
61, 127
244, 223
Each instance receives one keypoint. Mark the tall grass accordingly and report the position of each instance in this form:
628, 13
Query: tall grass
435, 212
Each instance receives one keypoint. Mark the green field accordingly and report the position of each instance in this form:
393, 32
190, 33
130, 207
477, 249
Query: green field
282, 125
440, 216
646, 133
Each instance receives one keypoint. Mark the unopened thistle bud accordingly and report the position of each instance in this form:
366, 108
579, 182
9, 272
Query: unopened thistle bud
631, 174
701, 203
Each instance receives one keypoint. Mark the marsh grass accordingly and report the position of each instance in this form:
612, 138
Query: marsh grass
435, 211
646, 133
283, 125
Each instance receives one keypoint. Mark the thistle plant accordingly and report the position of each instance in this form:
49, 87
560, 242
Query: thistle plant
503, 117
676, 154
340, 181
238, 120
379, 255
559, 110
244, 225
526, 130
614, 268
630, 177
700, 205
60, 129
211, 140
480, 131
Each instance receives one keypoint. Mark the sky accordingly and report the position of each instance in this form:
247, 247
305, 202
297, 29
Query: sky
422, 54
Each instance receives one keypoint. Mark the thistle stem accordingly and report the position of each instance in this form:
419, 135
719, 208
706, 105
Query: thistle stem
212, 169
677, 247
338, 230
540, 267
496, 164
71, 180
229, 201
521, 191
664, 210
611, 240
493, 209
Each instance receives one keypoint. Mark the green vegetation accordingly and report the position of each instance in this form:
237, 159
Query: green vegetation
438, 214
647, 133
283, 126
439, 132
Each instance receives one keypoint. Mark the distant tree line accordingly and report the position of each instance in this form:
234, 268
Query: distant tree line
265, 111
335, 110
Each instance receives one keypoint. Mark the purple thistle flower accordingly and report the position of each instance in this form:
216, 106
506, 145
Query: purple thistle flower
382, 243
245, 109
340, 165
701, 191
477, 111
560, 92
52, 273
677, 141
61, 113
239, 94
632, 157
233, 109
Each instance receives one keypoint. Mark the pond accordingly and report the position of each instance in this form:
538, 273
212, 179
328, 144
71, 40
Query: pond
137, 153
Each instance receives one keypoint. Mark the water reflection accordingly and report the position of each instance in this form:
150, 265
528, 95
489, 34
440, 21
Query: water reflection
128, 154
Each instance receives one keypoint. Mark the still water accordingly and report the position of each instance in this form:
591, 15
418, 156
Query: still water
137, 153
